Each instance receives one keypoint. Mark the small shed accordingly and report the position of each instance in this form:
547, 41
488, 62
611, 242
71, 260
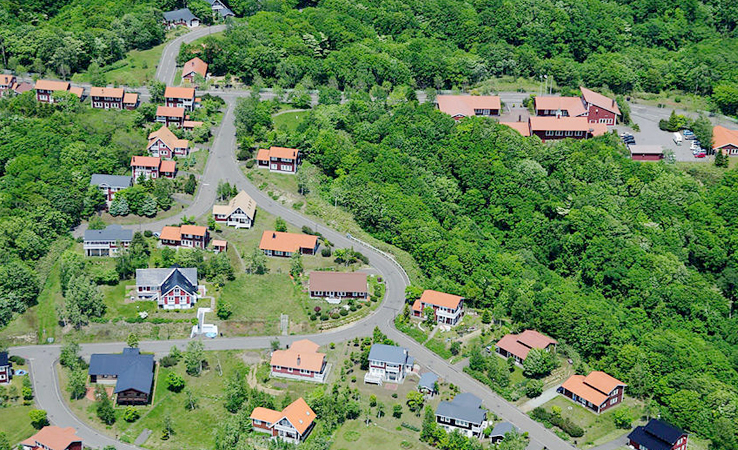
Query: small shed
427, 383
219, 245
646, 152
500, 430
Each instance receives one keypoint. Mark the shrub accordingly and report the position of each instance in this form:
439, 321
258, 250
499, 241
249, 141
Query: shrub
534, 388
17, 360
175, 382
564, 423
316, 309
344, 312
335, 316
168, 361
250, 163
324, 316
130, 414
148, 233
326, 252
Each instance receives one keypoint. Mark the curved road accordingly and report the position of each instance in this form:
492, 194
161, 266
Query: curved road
222, 165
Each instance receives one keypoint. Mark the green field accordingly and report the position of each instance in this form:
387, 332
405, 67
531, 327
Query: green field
15, 423
289, 120
137, 69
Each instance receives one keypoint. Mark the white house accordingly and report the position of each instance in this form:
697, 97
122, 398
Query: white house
107, 242
239, 212
464, 414
388, 363
173, 288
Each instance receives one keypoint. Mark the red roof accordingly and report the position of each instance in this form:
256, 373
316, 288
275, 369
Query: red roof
145, 161
131, 98
179, 92
573, 105
195, 65
595, 387
298, 413
464, 105
722, 137
107, 92
170, 111
520, 127
171, 234
51, 85
287, 242
282, 152
431, 297
520, 345
263, 155
53, 438
599, 100
538, 123
194, 230
168, 166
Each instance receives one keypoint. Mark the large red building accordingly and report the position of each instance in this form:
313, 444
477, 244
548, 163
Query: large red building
597, 391
600, 109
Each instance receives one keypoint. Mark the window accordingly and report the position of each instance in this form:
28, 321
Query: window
569, 133
549, 133
462, 423
613, 400
577, 133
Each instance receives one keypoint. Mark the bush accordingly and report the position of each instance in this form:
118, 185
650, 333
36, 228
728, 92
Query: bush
324, 316
534, 388
17, 360
326, 252
335, 316
148, 233
344, 312
565, 424
130, 414
250, 163
175, 382
622, 418
168, 361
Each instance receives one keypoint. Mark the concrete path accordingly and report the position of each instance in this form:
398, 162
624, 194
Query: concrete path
548, 394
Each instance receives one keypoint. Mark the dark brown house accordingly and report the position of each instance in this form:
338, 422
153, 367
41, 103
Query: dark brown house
132, 373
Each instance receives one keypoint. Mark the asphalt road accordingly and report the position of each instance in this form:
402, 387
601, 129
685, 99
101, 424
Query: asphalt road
167, 68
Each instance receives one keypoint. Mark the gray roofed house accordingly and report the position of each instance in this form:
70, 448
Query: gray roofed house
101, 179
132, 372
464, 413
427, 383
221, 8
6, 372
181, 17
156, 277
388, 363
106, 242
501, 429
172, 288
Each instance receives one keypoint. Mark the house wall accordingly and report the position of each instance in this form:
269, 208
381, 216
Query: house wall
177, 299
107, 103
600, 115
545, 137
616, 395
261, 426
282, 165
730, 150
148, 172
5, 374
44, 96
642, 157
132, 397
295, 372
334, 294
187, 104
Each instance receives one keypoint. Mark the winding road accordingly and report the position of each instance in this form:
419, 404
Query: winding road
222, 165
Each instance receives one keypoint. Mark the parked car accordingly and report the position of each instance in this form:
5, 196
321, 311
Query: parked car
677, 139
688, 134
700, 155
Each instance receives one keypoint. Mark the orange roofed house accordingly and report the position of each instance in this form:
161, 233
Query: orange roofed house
597, 391
165, 144
190, 236
448, 309
292, 424
301, 361
45, 90
518, 345
552, 128
130, 100
180, 97
277, 243
195, 66
7, 83
107, 98
333, 286
53, 438
725, 140
600, 109
560, 106
152, 167
169, 115
460, 106
278, 159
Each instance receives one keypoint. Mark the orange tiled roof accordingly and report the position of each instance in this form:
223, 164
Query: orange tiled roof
78, 91
722, 137
194, 230
282, 152
191, 124
299, 414
51, 85
145, 161
168, 138
179, 92
196, 65
171, 234
6, 79
263, 155
168, 166
464, 105
266, 415
520, 127
107, 92
573, 105
219, 243
286, 242
301, 355
595, 387
53, 438
538, 123
442, 299
599, 100
131, 98
170, 111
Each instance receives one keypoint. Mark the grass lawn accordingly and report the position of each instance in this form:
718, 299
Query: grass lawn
14, 421
289, 121
133, 219
355, 434
137, 69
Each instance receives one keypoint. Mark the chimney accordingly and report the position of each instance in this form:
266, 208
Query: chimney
274, 235
520, 117
298, 359
613, 102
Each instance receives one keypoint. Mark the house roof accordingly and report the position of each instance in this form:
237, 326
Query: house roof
644, 439
133, 370
6, 79
541, 123
110, 233
195, 65
156, 277
389, 353
224, 11
145, 161
299, 414
599, 100
573, 105
262, 154
646, 149
242, 200
130, 98
177, 278
502, 428
171, 234
338, 281
179, 92
107, 92
170, 111
168, 166
78, 91
194, 230
51, 85
722, 137
520, 344
3, 359
266, 415
464, 105
301, 355
283, 152
521, 127
595, 387
53, 438
219, 243
466, 406
440, 299
191, 124
428, 380
286, 242
534, 339
510, 344
183, 14
168, 138
664, 431
118, 181
22, 87
598, 129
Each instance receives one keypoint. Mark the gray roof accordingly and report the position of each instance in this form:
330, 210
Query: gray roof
646, 149
178, 279
428, 380
390, 354
155, 277
120, 181
3, 359
110, 233
183, 14
465, 407
224, 11
502, 428
133, 370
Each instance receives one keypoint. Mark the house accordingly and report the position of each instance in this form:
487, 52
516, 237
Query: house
164, 144
518, 345
189, 236
193, 67
657, 435
725, 140
170, 115
551, 128
152, 167
427, 383
278, 159
220, 9
53, 438
500, 430
45, 90
600, 109
189, 125
107, 242
388, 363
22, 87
646, 152
180, 17
107, 98
110, 184
521, 127
130, 371
7, 83
172, 288
219, 246
239, 212
6, 368
277, 243
460, 106
293, 424
463, 414
301, 361
448, 309
130, 101
560, 106
338, 285
597, 391
180, 97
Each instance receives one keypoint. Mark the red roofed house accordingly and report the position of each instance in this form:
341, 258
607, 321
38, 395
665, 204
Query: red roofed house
597, 391
165, 144
107, 98
219, 246
7, 82
460, 106
560, 107
448, 309
301, 361
521, 127
292, 424
600, 109
180, 97
277, 243
190, 236
195, 66
130, 100
518, 345
53, 438
45, 89
152, 167
189, 125
338, 285
169, 115
553, 128
725, 140
279, 159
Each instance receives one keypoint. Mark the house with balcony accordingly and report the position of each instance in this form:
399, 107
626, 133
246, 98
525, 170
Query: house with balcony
388, 363
180, 97
657, 435
597, 391
110, 184
278, 159
293, 424
45, 90
151, 167
164, 144
188, 236
107, 98
53, 438
460, 106
463, 414
277, 243
300, 361
108, 241
170, 115
335, 286
448, 309
517, 346
239, 212
172, 288
131, 372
